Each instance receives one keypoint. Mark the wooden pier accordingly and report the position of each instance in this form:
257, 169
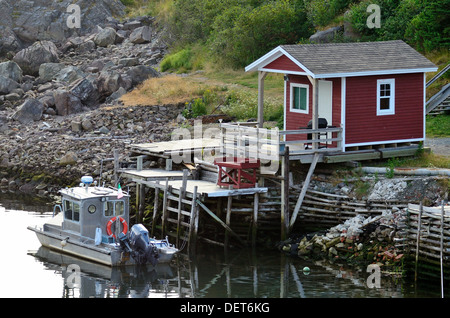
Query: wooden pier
183, 197
189, 179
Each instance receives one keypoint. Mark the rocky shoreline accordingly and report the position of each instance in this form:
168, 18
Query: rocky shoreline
60, 113
359, 241
43, 156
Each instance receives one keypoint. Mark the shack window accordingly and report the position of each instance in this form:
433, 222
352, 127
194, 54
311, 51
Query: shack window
299, 98
114, 208
71, 211
386, 97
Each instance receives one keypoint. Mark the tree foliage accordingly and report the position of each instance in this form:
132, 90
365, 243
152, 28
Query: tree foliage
239, 31
422, 23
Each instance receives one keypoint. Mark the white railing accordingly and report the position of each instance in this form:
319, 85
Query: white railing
241, 140
245, 140
321, 140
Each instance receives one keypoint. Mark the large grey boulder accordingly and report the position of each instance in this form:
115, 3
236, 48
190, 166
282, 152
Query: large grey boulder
69, 158
141, 35
109, 81
31, 58
105, 37
66, 103
140, 73
7, 85
11, 70
49, 71
30, 110
86, 91
69, 74
327, 35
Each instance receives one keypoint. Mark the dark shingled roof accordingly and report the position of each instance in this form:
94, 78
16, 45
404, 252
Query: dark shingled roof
334, 58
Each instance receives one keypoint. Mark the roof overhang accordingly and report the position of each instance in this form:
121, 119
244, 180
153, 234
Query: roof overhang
271, 56
259, 65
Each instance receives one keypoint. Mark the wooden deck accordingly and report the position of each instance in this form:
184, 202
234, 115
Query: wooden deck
242, 140
167, 149
159, 178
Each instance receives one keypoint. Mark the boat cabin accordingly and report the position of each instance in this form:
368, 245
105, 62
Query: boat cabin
87, 210
348, 94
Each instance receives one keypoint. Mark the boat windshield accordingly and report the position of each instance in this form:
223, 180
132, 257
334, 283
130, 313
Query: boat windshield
71, 210
114, 208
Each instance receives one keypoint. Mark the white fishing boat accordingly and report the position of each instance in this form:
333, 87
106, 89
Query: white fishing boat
93, 224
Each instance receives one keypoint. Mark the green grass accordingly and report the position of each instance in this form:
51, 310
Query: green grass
180, 61
438, 125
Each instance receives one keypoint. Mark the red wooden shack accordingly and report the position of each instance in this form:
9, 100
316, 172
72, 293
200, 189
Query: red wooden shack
373, 91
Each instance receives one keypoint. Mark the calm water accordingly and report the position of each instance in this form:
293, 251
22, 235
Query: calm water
27, 271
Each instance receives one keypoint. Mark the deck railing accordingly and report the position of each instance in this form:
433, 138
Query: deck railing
244, 140
322, 140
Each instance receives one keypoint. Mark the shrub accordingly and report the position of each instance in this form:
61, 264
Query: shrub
243, 105
195, 108
180, 61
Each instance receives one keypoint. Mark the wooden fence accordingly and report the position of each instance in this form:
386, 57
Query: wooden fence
242, 140
428, 233
327, 209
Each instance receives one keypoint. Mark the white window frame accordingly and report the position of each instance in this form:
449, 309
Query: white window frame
72, 208
114, 213
391, 110
291, 100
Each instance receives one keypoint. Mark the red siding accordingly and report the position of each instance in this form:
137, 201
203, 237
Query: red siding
361, 120
296, 120
285, 64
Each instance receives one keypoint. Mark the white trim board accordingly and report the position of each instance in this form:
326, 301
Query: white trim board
383, 142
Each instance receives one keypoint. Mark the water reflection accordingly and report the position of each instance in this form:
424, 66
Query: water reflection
242, 274
85, 279
33, 271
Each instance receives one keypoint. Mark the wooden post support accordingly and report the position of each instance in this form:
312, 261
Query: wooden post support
285, 195
139, 162
193, 223
228, 216
164, 211
261, 77
116, 167
180, 204
442, 250
155, 208
315, 113
138, 194
255, 218
220, 221
141, 202
419, 227
304, 188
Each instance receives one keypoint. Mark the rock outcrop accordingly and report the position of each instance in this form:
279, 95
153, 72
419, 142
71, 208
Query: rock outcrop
59, 108
82, 72
25, 22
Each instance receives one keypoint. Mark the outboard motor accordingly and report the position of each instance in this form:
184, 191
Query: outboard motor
142, 250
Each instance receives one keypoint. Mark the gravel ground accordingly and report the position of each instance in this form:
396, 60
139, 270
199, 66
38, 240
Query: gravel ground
440, 146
